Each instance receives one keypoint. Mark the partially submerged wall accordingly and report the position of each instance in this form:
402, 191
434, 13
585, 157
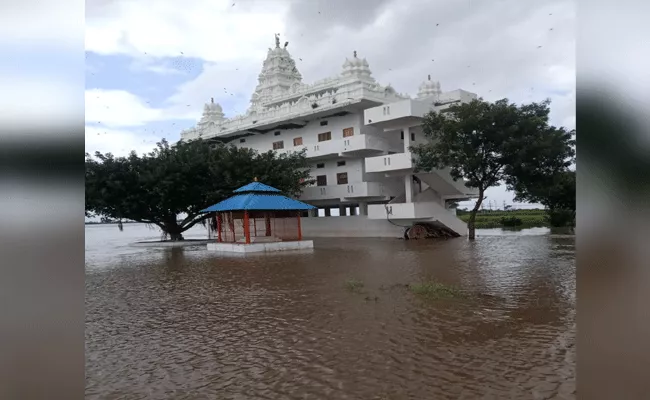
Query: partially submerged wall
350, 226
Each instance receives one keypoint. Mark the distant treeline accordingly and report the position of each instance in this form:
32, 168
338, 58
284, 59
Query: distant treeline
486, 219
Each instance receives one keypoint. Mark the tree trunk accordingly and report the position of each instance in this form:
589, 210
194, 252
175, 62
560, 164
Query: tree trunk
174, 230
175, 237
472, 216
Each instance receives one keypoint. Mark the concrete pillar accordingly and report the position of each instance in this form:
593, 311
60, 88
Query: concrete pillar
342, 210
408, 187
327, 212
407, 139
363, 208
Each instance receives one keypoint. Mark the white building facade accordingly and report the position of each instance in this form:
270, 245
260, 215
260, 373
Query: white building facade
357, 133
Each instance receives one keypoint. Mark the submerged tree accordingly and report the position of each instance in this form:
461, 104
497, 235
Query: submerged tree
487, 143
182, 179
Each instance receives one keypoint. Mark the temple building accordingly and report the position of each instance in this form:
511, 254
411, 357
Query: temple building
357, 133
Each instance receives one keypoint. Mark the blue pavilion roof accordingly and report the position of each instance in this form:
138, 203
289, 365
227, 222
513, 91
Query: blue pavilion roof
256, 187
258, 196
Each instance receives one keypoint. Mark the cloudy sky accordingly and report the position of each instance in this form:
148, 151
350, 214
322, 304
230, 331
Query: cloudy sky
151, 65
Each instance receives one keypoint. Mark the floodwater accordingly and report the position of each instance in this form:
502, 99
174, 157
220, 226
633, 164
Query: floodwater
188, 324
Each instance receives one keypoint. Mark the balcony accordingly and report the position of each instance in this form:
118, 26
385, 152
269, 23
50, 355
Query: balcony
363, 145
389, 163
397, 115
363, 189
358, 145
401, 211
347, 191
328, 192
429, 211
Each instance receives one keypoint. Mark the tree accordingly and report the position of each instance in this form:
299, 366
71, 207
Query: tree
486, 143
183, 178
555, 190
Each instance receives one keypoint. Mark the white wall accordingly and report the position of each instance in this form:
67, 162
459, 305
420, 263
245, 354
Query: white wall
351, 226
309, 133
353, 166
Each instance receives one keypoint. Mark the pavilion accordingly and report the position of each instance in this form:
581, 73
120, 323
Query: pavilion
258, 218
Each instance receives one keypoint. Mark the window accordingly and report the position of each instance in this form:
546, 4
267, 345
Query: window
324, 136
242, 140
297, 141
321, 180
277, 133
342, 178
323, 123
278, 145
402, 135
412, 137
347, 132
340, 163
321, 165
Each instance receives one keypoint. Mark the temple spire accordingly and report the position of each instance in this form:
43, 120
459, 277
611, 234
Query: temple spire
354, 53
277, 40
429, 77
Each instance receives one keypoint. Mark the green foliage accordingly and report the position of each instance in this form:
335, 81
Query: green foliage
556, 190
487, 143
511, 221
561, 218
183, 178
353, 285
435, 290
486, 219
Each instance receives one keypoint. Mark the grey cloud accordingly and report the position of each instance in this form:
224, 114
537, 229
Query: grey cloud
312, 18
499, 41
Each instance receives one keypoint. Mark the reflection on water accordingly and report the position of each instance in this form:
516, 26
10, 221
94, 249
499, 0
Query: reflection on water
188, 324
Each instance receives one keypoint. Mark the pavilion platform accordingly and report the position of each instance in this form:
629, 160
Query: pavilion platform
261, 247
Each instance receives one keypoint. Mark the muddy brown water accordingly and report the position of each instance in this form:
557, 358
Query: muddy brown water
185, 323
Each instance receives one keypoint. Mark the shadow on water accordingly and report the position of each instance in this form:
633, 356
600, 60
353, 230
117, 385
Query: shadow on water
186, 323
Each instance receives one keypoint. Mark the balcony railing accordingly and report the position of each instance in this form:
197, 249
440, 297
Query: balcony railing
390, 162
350, 190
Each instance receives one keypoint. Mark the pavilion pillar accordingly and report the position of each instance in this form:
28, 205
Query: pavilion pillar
218, 228
231, 223
327, 212
342, 210
247, 228
267, 220
299, 228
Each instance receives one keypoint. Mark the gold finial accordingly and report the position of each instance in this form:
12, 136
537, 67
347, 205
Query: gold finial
255, 179
429, 76
355, 54
211, 99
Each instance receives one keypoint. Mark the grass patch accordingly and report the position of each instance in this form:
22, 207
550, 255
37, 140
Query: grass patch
353, 285
486, 219
435, 290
